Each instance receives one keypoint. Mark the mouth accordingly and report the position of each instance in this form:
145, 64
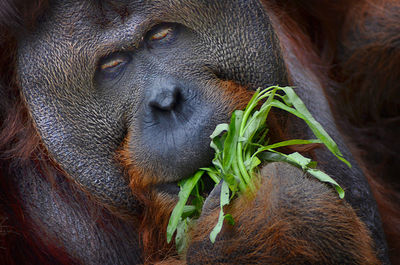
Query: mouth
173, 188
178, 142
172, 139
170, 188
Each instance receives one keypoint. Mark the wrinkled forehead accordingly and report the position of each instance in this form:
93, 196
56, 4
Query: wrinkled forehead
128, 19
78, 32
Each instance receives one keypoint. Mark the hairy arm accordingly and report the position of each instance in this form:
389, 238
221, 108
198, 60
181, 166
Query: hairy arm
293, 219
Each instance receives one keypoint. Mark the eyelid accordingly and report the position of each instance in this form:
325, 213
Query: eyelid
111, 63
161, 33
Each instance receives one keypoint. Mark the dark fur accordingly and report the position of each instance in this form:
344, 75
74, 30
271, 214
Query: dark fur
351, 87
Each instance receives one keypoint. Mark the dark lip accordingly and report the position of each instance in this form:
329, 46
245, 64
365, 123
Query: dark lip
171, 144
172, 188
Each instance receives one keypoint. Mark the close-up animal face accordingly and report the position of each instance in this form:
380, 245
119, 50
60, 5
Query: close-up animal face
107, 105
156, 75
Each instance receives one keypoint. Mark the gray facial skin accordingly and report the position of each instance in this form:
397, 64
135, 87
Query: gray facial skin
83, 114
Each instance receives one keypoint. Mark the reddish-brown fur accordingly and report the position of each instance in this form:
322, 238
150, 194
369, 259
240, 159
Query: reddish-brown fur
369, 107
353, 46
271, 233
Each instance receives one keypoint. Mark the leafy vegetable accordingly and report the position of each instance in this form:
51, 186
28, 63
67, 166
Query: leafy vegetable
240, 147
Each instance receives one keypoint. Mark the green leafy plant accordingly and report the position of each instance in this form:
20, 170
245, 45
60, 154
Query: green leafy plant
240, 147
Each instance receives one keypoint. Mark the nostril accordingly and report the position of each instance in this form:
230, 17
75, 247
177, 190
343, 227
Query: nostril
165, 99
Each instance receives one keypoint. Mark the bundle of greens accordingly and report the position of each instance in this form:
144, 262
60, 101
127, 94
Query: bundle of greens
240, 147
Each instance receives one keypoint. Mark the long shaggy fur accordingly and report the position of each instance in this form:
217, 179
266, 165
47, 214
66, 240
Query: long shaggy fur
354, 48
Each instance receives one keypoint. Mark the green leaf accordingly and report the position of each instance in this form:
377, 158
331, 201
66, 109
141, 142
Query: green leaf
302, 161
221, 128
254, 124
273, 156
312, 164
286, 143
224, 200
252, 163
231, 179
322, 176
188, 210
213, 174
217, 228
231, 140
181, 239
313, 124
229, 219
257, 119
217, 144
187, 186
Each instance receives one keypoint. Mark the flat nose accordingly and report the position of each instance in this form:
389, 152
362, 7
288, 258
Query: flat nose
164, 96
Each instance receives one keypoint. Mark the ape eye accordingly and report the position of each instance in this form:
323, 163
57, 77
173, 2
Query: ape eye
109, 65
161, 34
113, 64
